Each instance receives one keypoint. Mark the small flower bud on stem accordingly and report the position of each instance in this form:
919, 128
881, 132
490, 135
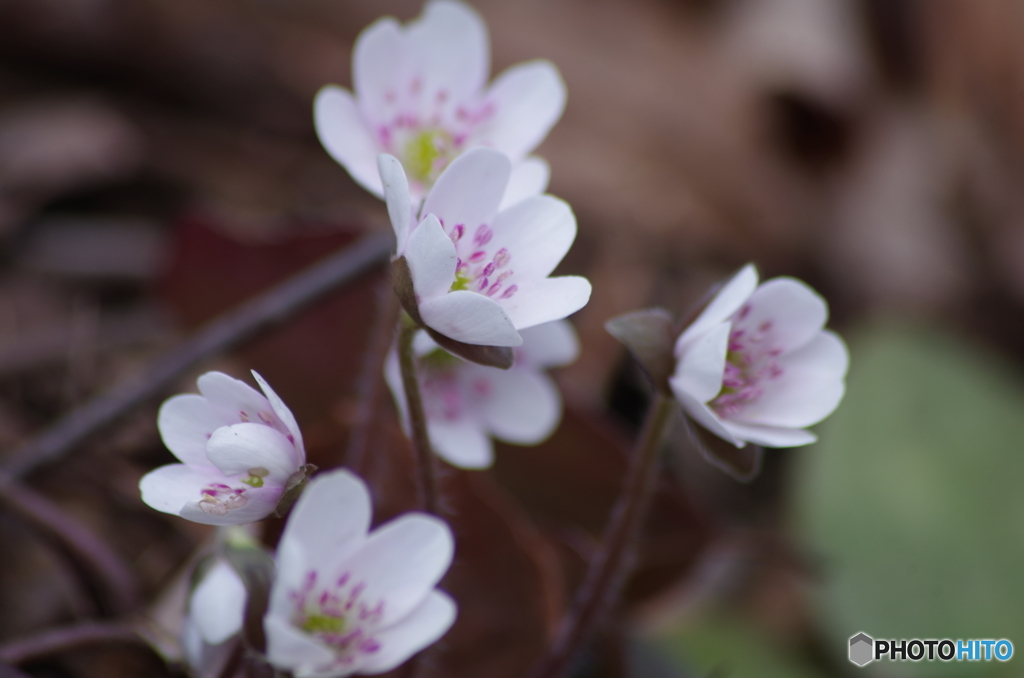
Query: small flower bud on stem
609, 567
426, 480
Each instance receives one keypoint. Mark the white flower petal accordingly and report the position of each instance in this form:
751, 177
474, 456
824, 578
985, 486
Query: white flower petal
545, 300
260, 503
170, 487
396, 194
528, 99
290, 648
431, 257
469, 190
787, 311
237, 449
550, 345
462, 442
344, 134
529, 177
401, 562
379, 62
235, 401
524, 406
470, 318
284, 414
217, 603
701, 367
185, 423
422, 627
329, 522
809, 389
703, 415
770, 436
728, 300
537, 232
449, 50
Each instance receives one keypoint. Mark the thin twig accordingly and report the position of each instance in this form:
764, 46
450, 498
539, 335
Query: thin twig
378, 344
426, 475
609, 568
103, 564
26, 649
229, 330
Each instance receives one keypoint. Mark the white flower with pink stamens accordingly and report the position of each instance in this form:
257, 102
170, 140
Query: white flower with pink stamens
346, 600
757, 366
480, 273
420, 96
466, 404
238, 449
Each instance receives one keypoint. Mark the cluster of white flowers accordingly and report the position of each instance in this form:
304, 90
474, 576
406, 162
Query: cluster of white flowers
477, 240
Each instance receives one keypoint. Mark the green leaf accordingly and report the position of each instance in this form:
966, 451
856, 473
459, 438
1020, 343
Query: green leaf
913, 498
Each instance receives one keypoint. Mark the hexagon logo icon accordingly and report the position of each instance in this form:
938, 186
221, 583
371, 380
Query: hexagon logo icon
862, 648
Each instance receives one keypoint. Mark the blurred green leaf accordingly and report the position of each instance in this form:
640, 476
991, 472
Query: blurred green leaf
914, 498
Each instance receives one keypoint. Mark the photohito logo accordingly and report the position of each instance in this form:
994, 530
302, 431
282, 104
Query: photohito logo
864, 649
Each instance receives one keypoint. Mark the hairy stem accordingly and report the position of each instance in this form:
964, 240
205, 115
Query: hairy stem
227, 331
608, 569
426, 478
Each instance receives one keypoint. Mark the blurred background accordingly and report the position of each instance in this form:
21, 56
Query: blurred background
158, 166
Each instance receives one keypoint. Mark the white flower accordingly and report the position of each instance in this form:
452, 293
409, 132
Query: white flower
465, 403
480, 274
346, 600
238, 449
214, 616
420, 96
756, 365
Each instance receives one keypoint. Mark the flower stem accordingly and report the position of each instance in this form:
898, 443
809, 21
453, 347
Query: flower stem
426, 480
611, 564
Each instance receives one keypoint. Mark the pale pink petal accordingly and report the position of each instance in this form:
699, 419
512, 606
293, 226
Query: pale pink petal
529, 177
432, 258
344, 134
546, 300
284, 414
217, 603
537, 232
379, 68
770, 436
260, 503
528, 100
235, 401
469, 190
430, 620
330, 521
461, 442
401, 562
700, 369
185, 423
809, 389
549, 345
241, 448
703, 415
449, 51
524, 406
396, 194
471, 318
170, 487
290, 648
727, 301
786, 311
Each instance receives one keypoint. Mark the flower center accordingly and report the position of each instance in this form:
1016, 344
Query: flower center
427, 153
337, 615
749, 363
477, 269
218, 499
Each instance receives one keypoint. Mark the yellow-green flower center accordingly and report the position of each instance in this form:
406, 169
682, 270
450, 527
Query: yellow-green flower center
427, 153
323, 623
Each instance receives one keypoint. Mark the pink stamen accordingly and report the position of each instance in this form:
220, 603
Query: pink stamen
483, 235
502, 257
510, 291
